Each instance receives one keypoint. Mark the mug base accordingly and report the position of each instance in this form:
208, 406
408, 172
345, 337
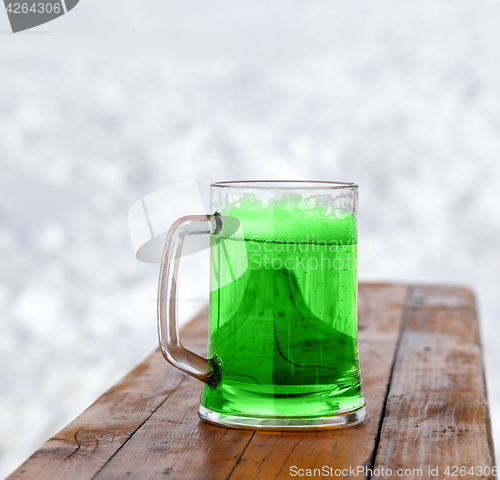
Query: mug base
343, 419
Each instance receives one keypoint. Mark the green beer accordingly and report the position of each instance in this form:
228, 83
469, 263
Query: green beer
283, 334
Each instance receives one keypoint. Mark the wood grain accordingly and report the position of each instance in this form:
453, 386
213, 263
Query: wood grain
424, 386
437, 410
271, 455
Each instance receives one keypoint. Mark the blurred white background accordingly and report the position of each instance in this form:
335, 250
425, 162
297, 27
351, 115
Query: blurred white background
120, 98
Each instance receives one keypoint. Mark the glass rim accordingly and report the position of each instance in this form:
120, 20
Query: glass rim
285, 184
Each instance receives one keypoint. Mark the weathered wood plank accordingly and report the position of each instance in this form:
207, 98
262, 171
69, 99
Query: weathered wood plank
177, 444
174, 441
437, 409
146, 426
272, 455
80, 449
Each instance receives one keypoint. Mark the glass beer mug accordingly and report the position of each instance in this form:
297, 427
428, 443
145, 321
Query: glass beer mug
283, 348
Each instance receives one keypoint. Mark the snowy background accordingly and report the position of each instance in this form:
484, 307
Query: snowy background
120, 98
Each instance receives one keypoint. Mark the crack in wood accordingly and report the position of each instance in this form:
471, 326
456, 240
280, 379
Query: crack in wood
132, 434
241, 456
385, 411
78, 443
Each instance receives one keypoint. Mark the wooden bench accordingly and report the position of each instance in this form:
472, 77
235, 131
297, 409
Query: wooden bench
425, 390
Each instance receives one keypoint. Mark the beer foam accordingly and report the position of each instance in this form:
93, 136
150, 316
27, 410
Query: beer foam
293, 218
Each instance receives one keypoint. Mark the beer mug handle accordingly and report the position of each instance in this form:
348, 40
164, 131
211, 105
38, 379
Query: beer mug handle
168, 327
